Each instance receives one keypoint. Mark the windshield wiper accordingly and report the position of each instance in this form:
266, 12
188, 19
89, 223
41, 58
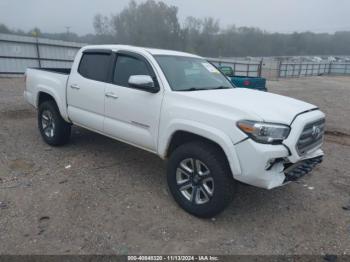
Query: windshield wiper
193, 89
201, 88
222, 87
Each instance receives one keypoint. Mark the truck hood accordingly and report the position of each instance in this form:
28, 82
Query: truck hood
267, 106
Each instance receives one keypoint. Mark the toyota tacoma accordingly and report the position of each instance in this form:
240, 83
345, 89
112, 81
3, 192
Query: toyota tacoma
182, 108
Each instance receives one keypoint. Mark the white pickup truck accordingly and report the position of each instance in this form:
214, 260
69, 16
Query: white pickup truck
180, 107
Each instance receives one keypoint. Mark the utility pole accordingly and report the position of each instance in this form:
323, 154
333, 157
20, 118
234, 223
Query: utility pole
67, 31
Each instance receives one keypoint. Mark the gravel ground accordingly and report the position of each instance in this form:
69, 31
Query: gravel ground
99, 196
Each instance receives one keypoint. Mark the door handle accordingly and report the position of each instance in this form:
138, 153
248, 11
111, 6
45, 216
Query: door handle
74, 86
111, 95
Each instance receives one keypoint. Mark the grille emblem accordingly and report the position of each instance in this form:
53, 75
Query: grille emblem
316, 132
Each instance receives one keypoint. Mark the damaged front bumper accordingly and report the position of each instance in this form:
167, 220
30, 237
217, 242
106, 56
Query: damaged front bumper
269, 166
296, 171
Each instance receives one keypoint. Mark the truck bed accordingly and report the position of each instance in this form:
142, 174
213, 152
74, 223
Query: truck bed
52, 81
65, 71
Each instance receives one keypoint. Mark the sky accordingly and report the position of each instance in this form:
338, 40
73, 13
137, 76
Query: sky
272, 15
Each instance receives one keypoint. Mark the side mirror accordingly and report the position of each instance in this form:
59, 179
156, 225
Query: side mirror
144, 82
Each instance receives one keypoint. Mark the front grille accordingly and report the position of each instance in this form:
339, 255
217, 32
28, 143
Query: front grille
311, 136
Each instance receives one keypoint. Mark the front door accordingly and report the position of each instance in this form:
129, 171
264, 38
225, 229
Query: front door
132, 115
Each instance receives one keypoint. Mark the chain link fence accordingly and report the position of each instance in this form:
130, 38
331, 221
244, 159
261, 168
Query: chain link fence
240, 68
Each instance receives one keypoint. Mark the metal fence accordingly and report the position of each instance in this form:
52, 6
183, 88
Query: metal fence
252, 69
20, 52
313, 69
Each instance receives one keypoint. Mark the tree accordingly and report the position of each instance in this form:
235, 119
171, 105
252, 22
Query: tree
190, 34
101, 25
150, 24
156, 24
4, 29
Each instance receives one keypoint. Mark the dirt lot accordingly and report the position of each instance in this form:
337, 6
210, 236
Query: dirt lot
98, 196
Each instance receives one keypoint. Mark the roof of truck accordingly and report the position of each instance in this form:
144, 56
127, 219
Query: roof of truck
152, 51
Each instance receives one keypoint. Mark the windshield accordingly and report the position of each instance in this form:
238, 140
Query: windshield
191, 74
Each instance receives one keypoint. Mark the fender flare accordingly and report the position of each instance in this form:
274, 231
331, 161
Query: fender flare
60, 104
211, 133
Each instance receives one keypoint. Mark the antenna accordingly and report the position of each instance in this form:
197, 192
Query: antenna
67, 32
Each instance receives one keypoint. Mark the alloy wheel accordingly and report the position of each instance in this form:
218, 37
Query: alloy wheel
194, 181
48, 123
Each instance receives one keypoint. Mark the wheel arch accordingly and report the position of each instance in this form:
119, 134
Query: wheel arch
43, 97
46, 95
188, 133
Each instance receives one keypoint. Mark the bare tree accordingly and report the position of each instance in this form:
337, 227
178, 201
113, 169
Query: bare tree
150, 23
101, 25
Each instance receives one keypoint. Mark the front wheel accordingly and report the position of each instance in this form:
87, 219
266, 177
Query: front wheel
199, 179
53, 129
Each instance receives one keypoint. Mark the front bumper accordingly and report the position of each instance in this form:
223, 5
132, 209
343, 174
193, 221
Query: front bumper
270, 166
296, 171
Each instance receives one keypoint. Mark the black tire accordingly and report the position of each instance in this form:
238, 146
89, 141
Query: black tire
61, 129
224, 186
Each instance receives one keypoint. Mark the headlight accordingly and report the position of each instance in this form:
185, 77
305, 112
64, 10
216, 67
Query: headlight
266, 133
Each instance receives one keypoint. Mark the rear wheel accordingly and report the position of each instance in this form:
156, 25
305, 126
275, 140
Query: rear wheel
200, 180
53, 128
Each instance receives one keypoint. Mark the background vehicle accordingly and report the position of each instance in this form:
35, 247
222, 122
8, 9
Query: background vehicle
258, 83
183, 109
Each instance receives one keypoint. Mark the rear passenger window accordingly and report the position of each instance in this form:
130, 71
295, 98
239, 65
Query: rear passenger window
127, 66
95, 66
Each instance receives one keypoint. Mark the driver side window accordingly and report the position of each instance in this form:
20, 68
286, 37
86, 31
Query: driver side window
127, 66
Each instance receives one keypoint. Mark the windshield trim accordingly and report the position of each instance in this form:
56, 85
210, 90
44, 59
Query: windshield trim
193, 89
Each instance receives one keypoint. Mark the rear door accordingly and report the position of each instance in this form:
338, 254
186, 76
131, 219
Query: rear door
86, 89
132, 115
